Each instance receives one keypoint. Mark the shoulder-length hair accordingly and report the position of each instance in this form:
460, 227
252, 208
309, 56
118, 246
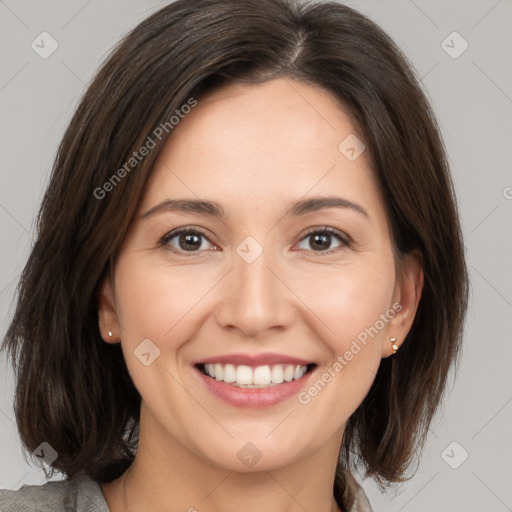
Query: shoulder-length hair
73, 390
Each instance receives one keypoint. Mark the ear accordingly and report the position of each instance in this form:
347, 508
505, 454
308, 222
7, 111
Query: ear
108, 321
407, 295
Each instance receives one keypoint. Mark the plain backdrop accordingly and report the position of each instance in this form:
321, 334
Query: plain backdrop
466, 464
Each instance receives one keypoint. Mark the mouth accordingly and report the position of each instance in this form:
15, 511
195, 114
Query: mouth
255, 377
254, 381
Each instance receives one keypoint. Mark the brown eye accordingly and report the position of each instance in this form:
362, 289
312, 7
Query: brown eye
322, 240
186, 240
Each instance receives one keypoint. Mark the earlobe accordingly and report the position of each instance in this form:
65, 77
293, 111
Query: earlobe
408, 290
108, 323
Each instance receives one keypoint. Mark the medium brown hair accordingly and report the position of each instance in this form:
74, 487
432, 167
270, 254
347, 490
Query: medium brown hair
73, 390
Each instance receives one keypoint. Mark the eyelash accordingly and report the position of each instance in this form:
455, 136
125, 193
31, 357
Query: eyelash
325, 230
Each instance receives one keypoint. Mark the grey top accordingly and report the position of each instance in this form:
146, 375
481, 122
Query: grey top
82, 494
79, 494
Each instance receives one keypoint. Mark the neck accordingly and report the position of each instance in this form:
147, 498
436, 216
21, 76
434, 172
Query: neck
174, 478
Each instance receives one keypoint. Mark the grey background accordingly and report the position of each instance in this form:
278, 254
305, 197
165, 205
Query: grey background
472, 97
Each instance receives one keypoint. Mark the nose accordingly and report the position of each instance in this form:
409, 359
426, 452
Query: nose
256, 299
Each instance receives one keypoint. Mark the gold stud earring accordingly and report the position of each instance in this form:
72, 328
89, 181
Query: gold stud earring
110, 334
394, 346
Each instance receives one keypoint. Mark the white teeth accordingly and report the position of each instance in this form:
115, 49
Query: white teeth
244, 375
288, 373
229, 373
299, 372
219, 372
277, 374
259, 377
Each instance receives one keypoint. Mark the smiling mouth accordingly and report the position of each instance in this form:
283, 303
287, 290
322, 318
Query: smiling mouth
258, 377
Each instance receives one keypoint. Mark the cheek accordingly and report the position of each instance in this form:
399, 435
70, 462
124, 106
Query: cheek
351, 300
158, 301
354, 307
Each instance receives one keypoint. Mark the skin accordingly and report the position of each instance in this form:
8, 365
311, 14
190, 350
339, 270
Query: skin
255, 150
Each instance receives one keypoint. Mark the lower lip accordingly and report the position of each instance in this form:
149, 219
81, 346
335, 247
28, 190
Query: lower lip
253, 398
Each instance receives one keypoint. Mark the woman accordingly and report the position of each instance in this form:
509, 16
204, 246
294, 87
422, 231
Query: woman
248, 279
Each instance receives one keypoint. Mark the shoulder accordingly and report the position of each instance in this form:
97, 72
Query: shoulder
78, 494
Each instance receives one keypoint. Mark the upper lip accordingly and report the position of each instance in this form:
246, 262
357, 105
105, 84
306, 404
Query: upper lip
255, 360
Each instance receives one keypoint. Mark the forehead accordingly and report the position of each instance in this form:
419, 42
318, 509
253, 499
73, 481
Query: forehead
248, 144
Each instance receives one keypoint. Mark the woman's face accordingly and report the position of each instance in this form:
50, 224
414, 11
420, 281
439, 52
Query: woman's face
257, 292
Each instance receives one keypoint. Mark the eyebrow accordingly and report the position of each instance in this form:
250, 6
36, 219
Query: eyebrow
215, 210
